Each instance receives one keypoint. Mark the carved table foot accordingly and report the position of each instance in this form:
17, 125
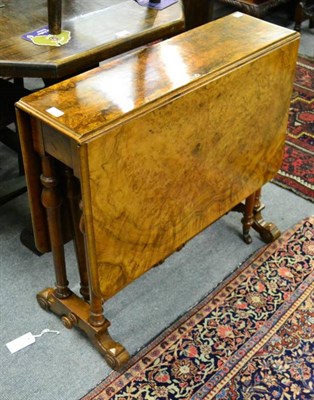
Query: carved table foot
267, 230
74, 311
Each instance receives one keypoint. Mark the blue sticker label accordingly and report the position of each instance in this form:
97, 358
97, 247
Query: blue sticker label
38, 32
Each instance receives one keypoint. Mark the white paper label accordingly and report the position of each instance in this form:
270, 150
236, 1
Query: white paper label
55, 111
237, 14
21, 342
122, 34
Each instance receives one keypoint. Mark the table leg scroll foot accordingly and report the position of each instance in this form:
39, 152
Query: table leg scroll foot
75, 312
45, 298
114, 353
267, 230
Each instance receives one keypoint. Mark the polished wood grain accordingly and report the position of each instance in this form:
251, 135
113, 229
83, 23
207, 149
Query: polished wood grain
159, 183
153, 75
95, 27
164, 141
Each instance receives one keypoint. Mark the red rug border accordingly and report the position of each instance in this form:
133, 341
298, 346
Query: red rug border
285, 181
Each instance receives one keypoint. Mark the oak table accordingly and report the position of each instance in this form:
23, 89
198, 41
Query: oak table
152, 147
99, 29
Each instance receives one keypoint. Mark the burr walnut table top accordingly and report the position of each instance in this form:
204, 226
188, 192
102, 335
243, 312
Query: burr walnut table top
137, 82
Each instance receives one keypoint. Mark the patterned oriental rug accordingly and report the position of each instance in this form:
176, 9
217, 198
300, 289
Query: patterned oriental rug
252, 338
297, 170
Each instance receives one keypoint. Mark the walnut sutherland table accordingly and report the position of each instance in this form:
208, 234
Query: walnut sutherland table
151, 148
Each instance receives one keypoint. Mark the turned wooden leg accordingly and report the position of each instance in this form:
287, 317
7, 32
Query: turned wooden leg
73, 194
268, 231
96, 317
298, 17
248, 218
52, 200
77, 312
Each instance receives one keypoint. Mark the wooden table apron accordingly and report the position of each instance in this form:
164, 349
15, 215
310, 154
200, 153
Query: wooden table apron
163, 141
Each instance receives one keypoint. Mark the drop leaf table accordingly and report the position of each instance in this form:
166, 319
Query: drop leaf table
139, 155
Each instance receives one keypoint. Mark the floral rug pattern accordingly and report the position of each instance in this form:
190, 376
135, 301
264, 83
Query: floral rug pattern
297, 170
283, 368
252, 338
